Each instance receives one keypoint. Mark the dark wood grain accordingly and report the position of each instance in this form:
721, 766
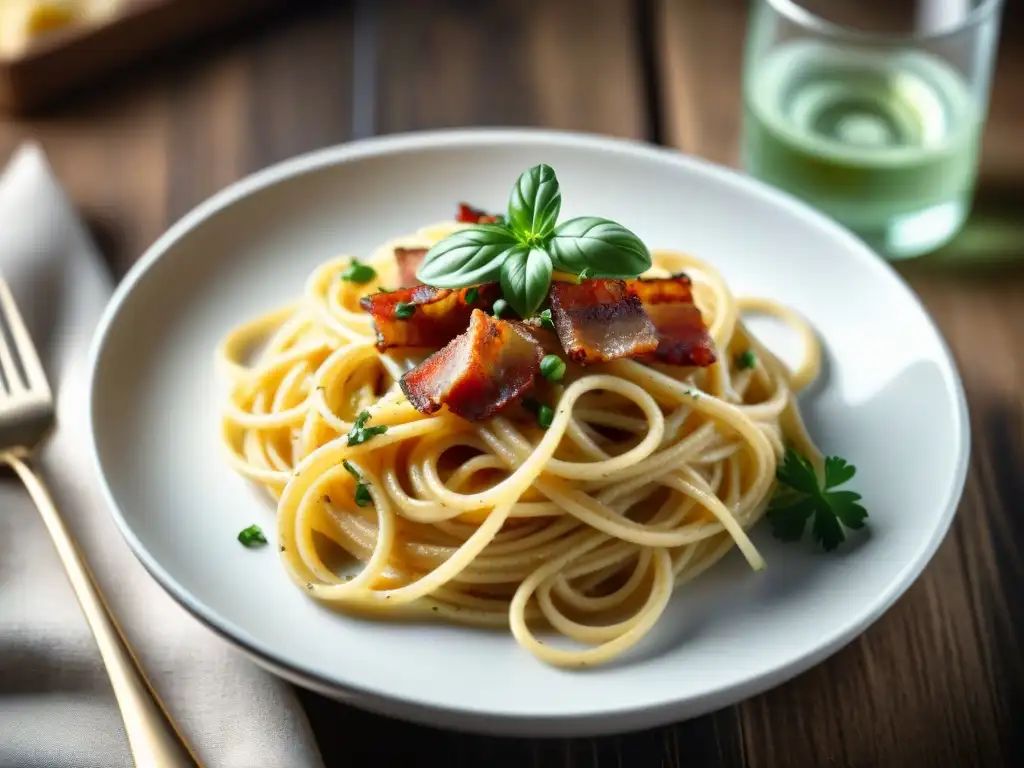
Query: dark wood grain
699, 49
509, 62
939, 680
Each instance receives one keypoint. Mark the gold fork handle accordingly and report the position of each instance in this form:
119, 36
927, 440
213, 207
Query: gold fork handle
152, 737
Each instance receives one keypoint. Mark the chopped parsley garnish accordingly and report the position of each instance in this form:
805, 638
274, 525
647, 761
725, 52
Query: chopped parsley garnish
363, 497
546, 322
800, 496
358, 273
552, 367
404, 310
746, 360
499, 306
360, 433
252, 537
362, 494
472, 295
583, 275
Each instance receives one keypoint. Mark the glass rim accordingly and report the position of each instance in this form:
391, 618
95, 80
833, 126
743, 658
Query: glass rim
795, 12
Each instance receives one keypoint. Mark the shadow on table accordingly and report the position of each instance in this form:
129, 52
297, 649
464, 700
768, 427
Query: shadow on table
364, 738
991, 241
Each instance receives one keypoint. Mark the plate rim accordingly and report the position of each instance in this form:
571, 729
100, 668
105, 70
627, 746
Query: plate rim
417, 709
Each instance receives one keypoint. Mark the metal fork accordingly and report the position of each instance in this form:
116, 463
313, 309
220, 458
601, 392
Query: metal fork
26, 416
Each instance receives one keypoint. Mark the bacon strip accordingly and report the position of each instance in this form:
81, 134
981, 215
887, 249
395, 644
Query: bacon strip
476, 374
409, 260
469, 215
439, 314
683, 339
599, 320
547, 340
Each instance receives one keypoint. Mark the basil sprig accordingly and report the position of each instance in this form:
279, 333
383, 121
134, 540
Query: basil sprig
522, 252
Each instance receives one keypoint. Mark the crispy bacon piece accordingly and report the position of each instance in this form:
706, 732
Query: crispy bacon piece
477, 373
683, 339
438, 314
599, 320
409, 260
534, 331
469, 215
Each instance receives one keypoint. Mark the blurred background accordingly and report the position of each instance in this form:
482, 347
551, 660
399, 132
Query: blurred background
147, 107
190, 95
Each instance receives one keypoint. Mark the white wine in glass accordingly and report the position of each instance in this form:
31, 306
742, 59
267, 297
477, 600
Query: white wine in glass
882, 137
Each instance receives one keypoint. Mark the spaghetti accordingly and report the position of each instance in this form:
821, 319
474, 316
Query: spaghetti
647, 475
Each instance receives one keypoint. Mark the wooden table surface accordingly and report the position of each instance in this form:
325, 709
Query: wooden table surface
939, 680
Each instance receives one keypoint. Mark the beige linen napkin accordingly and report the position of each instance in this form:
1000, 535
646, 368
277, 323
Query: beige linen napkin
56, 706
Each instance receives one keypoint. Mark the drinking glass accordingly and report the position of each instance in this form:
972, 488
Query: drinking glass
871, 111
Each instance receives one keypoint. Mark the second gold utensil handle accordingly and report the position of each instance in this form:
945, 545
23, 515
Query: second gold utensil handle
154, 742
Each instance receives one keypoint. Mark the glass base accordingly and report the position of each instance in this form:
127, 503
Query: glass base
910, 235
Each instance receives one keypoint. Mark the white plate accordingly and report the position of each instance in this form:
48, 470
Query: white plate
891, 402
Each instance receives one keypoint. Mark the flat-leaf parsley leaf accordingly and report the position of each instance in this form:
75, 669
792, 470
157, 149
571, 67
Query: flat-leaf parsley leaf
800, 496
362, 493
360, 433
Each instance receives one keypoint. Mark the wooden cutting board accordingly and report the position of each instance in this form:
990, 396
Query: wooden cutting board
37, 69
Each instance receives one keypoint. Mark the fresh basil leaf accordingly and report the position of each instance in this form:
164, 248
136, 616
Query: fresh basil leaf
525, 280
534, 205
602, 247
468, 257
